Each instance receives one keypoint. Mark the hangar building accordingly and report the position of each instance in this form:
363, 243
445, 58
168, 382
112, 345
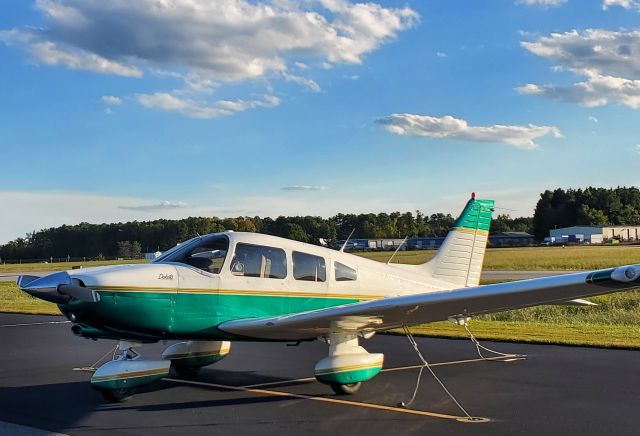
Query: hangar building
594, 234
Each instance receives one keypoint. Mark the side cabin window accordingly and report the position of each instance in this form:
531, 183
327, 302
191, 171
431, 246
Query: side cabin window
206, 253
259, 261
309, 267
343, 273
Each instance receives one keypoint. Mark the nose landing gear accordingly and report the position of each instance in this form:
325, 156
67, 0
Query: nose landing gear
116, 380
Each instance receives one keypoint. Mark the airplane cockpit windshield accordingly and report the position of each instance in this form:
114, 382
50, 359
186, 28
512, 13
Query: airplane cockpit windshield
206, 253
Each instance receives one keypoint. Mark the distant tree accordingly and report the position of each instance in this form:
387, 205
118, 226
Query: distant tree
504, 223
591, 217
297, 233
406, 225
136, 250
124, 249
501, 223
591, 206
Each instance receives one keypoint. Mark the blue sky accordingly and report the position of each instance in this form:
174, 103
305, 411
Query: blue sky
114, 111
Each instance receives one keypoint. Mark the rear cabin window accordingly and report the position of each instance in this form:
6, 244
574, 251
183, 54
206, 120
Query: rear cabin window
344, 273
309, 267
259, 261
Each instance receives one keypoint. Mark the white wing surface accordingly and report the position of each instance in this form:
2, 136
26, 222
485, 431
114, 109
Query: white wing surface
429, 307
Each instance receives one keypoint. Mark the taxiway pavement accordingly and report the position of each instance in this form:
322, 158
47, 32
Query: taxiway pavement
264, 388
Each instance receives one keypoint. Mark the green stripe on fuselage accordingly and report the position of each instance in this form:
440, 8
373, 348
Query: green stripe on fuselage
184, 315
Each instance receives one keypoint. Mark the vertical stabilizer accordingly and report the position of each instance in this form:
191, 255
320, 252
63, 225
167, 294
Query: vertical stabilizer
459, 259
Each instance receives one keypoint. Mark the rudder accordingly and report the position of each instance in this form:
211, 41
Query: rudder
459, 259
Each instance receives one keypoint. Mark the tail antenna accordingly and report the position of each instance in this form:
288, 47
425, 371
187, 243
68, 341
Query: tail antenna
345, 242
397, 249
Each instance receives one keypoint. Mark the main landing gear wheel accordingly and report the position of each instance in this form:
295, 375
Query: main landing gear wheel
187, 371
348, 389
117, 395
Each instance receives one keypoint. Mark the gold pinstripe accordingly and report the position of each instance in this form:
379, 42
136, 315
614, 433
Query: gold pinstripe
472, 231
254, 293
132, 374
347, 368
223, 351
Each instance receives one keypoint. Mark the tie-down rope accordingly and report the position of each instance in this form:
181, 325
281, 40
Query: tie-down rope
425, 364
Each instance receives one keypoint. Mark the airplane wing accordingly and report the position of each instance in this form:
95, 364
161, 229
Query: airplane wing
429, 307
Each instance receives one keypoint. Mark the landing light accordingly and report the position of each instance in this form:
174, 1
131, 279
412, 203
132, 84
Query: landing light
626, 274
630, 273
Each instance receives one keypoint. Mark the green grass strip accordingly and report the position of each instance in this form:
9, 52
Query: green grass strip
579, 334
60, 266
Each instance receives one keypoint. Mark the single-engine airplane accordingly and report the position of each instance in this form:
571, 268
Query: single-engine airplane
234, 286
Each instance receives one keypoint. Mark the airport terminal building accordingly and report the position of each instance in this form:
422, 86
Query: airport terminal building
594, 234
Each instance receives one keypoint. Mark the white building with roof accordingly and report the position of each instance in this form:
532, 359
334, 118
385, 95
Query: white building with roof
594, 234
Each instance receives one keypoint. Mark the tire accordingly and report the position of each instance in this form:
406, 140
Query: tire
187, 372
348, 389
118, 395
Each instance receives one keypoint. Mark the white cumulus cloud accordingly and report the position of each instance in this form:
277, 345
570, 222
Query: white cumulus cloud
597, 90
545, 3
626, 4
111, 100
201, 109
209, 43
448, 127
52, 53
609, 62
615, 53
304, 188
163, 205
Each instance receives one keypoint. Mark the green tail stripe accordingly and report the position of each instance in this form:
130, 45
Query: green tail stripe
476, 215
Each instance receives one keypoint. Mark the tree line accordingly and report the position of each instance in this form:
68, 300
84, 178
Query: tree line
130, 239
589, 207
558, 208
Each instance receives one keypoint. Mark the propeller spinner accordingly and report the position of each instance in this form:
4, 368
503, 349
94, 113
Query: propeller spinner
58, 288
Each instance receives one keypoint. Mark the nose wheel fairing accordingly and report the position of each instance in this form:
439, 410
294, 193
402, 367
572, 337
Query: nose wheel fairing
127, 374
348, 363
128, 371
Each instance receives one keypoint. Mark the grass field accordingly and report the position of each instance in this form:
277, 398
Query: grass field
60, 266
534, 258
521, 258
13, 300
591, 335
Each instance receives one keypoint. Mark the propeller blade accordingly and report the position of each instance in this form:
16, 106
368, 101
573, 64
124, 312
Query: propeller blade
80, 293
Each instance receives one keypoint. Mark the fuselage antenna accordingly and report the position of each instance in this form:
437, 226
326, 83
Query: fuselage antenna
397, 249
345, 242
